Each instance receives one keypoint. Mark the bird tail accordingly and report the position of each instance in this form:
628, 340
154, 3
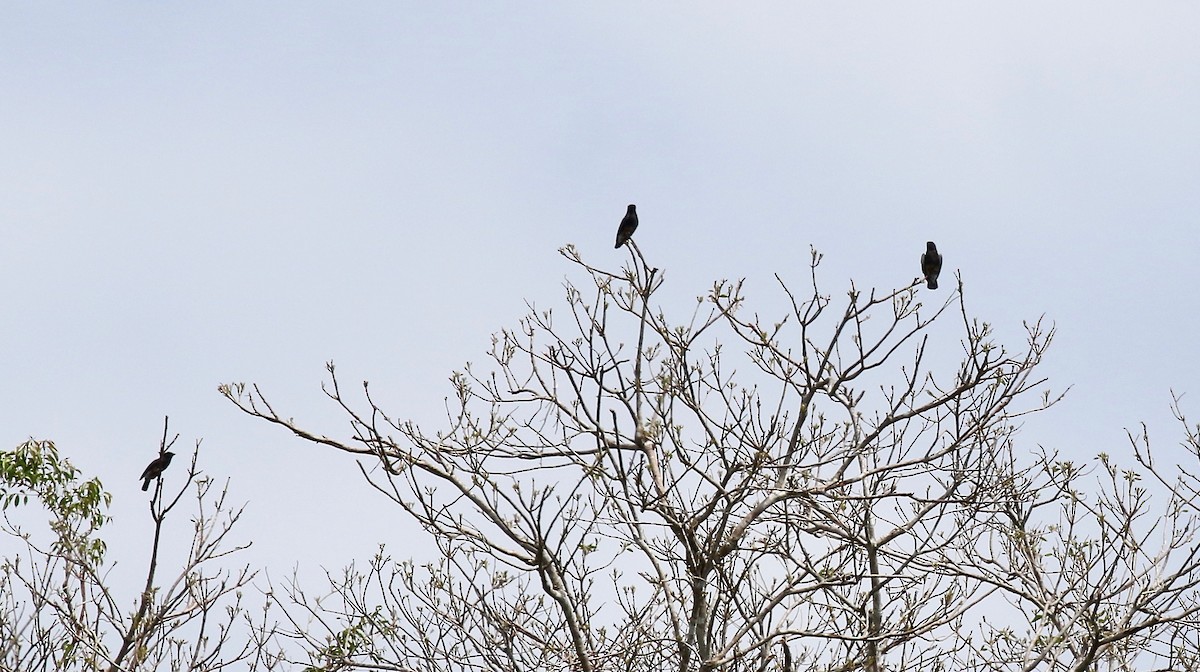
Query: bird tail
145, 485
932, 283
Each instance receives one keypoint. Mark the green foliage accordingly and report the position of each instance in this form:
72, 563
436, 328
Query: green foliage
35, 468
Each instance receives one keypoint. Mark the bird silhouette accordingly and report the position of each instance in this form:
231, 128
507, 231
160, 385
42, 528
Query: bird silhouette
628, 226
155, 469
931, 264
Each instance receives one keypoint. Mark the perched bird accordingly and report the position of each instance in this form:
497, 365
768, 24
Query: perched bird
628, 226
155, 469
931, 264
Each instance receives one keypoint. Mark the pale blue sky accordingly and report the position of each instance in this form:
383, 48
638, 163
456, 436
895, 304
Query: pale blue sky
197, 193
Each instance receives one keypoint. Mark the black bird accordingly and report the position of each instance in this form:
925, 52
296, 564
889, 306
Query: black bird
931, 264
628, 226
155, 469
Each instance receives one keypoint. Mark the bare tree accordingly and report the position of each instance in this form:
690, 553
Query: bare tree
58, 612
820, 490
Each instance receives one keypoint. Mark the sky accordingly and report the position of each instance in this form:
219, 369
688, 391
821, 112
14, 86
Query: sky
200, 193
